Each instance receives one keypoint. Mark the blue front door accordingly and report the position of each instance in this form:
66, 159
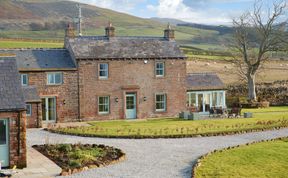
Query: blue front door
4, 143
131, 106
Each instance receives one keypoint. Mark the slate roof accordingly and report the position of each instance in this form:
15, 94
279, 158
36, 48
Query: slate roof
31, 94
204, 81
44, 59
89, 47
11, 94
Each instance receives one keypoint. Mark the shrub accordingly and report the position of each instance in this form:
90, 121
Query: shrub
64, 148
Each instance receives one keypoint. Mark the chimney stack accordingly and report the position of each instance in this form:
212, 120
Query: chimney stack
169, 33
110, 30
69, 32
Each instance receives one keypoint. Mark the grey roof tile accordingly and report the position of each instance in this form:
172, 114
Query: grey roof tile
11, 94
204, 81
42, 58
31, 94
124, 47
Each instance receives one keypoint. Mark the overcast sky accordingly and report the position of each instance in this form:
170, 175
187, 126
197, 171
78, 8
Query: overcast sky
217, 12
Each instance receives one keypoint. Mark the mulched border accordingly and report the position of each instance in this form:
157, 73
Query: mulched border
68, 172
201, 158
169, 136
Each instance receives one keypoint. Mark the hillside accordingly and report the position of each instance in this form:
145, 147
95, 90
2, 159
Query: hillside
46, 19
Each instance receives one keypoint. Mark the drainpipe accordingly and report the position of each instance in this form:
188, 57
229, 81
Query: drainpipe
78, 87
37, 117
19, 131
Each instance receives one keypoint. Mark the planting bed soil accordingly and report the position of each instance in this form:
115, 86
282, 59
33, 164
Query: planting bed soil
76, 158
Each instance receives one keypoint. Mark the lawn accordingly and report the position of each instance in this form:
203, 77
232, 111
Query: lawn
174, 127
8, 44
265, 160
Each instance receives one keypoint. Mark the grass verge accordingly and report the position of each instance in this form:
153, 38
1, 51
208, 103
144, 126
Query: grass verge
266, 159
264, 119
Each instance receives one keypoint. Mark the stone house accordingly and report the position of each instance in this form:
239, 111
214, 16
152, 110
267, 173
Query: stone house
12, 116
104, 77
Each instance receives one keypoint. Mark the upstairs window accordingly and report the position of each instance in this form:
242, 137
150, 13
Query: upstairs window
103, 71
160, 101
28, 109
24, 79
103, 104
159, 69
54, 78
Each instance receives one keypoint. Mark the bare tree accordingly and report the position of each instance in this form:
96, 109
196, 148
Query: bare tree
256, 34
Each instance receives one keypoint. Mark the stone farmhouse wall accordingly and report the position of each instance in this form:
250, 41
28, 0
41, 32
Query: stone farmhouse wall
17, 143
35, 119
66, 94
275, 92
131, 76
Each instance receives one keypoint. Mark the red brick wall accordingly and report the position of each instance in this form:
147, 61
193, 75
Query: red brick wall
66, 93
15, 158
35, 119
132, 72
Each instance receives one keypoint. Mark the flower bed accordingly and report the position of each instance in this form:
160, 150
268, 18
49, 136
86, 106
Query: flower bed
76, 158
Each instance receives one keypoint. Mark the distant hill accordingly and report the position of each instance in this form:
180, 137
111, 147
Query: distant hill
168, 20
46, 19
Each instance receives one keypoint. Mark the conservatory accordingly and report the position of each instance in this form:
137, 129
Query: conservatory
205, 91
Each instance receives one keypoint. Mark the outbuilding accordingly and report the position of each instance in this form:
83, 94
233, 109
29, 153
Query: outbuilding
12, 116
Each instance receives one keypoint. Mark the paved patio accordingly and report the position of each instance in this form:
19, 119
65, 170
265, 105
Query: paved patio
38, 166
155, 158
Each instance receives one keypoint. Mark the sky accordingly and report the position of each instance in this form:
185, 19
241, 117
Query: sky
214, 12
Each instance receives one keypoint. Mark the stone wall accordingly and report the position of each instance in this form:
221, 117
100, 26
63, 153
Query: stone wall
131, 76
66, 94
17, 145
35, 120
276, 93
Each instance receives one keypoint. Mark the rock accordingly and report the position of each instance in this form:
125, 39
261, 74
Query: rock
64, 173
75, 171
85, 168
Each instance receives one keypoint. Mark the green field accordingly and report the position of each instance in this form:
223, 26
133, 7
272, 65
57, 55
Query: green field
173, 127
265, 160
4, 44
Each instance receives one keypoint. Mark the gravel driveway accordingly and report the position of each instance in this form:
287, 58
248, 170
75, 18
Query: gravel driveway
153, 158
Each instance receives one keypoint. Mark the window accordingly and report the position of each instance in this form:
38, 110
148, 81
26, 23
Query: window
159, 69
28, 109
103, 104
54, 78
191, 101
24, 79
160, 102
103, 71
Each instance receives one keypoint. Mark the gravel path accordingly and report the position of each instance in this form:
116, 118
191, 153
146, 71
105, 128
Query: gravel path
153, 158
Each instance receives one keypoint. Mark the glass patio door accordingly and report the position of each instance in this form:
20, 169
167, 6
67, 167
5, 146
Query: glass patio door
49, 109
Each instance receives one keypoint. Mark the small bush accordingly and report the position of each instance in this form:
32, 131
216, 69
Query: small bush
66, 148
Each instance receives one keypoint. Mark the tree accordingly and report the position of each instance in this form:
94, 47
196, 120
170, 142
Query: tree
256, 34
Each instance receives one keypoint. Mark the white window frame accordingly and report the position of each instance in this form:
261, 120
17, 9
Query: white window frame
54, 78
22, 79
158, 69
30, 109
105, 70
108, 104
164, 102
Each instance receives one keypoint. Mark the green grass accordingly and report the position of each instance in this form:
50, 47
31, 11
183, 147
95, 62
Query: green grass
29, 44
265, 160
173, 127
